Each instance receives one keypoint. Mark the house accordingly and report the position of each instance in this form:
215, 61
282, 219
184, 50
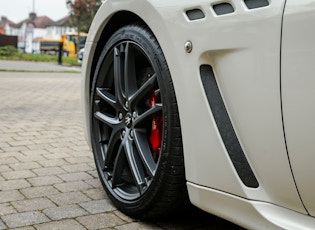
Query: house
59, 28
8, 32
31, 30
7, 27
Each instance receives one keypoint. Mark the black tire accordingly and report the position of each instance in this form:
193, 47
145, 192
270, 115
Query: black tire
137, 142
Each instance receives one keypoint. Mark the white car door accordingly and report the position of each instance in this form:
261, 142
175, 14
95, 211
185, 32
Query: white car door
298, 94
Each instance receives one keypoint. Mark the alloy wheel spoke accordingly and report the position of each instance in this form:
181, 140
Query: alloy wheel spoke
112, 143
147, 115
130, 71
144, 90
144, 150
107, 97
109, 121
135, 165
119, 167
119, 75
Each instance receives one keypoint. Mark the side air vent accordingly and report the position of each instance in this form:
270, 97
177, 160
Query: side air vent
252, 4
225, 127
195, 14
223, 8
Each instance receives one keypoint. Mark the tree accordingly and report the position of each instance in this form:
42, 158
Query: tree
82, 13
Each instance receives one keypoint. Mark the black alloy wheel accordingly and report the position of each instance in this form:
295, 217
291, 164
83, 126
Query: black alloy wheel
136, 135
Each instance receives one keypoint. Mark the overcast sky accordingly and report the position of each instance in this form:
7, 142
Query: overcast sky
18, 10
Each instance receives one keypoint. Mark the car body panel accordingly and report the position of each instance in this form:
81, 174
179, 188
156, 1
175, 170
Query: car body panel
244, 49
298, 94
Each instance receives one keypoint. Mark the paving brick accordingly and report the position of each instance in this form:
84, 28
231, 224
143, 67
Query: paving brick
36, 204
24, 138
25, 133
96, 183
7, 196
93, 173
69, 198
39, 147
25, 166
80, 148
2, 226
138, 226
59, 155
14, 148
35, 152
60, 225
65, 212
78, 160
100, 221
14, 184
6, 155
98, 206
9, 160
49, 171
24, 219
77, 168
4, 168
72, 186
95, 194
6, 209
124, 216
44, 180
76, 176
30, 158
18, 174
62, 144
4, 145
20, 143
39, 191
25, 228
52, 163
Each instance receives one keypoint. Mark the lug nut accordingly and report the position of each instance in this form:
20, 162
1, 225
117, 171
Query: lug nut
134, 114
123, 133
126, 104
120, 116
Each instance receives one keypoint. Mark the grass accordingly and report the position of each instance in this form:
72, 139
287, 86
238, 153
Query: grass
11, 53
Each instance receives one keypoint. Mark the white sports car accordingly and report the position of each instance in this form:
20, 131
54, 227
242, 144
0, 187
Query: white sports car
207, 101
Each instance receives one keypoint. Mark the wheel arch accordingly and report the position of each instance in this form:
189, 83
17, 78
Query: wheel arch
116, 21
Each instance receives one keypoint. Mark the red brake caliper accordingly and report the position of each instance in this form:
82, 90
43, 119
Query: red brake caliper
156, 129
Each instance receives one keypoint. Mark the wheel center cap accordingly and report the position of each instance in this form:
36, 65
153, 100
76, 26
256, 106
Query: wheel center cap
128, 120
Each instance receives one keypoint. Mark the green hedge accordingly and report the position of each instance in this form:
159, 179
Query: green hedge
8, 51
11, 53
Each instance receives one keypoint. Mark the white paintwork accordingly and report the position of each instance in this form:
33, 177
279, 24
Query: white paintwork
248, 213
298, 82
244, 50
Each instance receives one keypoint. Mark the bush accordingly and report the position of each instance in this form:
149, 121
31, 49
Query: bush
11, 53
8, 51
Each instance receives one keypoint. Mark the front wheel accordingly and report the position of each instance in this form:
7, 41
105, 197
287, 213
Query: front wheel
136, 136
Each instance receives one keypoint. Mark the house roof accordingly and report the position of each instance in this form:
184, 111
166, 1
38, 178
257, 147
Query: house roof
5, 20
65, 21
38, 22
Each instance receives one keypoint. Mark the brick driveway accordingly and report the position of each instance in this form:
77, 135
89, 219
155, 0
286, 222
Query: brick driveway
47, 174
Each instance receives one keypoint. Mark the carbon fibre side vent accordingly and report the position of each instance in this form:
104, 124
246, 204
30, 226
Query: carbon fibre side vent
195, 14
252, 4
223, 8
225, 127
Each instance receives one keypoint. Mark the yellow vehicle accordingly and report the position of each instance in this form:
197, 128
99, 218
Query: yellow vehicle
69, 41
